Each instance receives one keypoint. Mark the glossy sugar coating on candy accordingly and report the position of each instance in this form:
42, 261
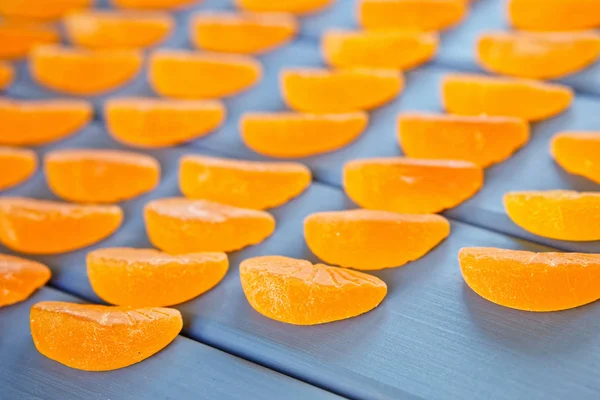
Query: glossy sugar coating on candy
154, 4
154, 123
248, 184
369, 240
335, 91
40, 10
38, 122
19, 278
17, 39
100, 176
178, 225
378, 49
411, 15
16, 166
578, 153
101, 338
478, 139
148, 277
538, 55
195, 75
554, 15
48, 227
411, 186
532, 281
288, 6
465, 94
83, 72
556, 214
296, 135
7, 74
117, 30
242, 33
300, 293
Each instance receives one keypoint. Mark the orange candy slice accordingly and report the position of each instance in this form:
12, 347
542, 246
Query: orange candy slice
83, 72
17, 39
242, 33
411, 15
154, 123
556, 214
478, 94
186, 74
154, 4
101, 338
480, 140
147, 277
300, 293
555, 15
178, 225
7, 74
121, 30
240, 183
288, 6
325, 91
19, 278
368, 240
100, 176
31, 226
531, 281
378, 49
17, 165
37, 122
411, 186
578, 153
538, 55
291, 135
41, 10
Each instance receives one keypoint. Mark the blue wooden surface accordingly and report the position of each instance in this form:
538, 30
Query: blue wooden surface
432, 337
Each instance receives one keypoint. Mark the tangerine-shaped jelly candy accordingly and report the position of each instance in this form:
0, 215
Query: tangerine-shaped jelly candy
248, 184
38, 122
578, 153
48, 227
148, 277
17, 39
556, 214
7, 74
479, 94
19, 278
101, 338
411, 186
242, 33
411, 15
284, 6
368, 239
188, 74
378, 49
479, 139
40, 10
100, 176
17, 165
538, 55
296, 135
300, 293
531, 281
554, 15
148, 122
120, 30
154, 4
344, 90
81, 71
178, 225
